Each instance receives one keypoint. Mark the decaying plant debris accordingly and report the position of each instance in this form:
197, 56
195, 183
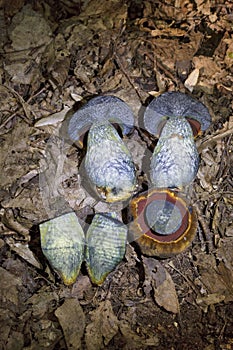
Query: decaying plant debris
53, 56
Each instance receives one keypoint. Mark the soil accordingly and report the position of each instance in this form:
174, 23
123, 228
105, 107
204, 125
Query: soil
55, 56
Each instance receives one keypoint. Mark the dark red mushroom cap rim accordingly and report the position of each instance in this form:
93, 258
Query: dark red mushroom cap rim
138, 208
195, 125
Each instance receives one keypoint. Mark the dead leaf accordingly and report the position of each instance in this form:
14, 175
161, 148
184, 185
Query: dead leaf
135, 341
53, 118
229, 54
27, 45
203, 7
208, 275
23, 250
72, 321
207, 64
215, 282
210, 73
21, 33
168, 32
159, 280
112, 12
209, 299
226, 276
17, 158
15, 341
42, 302
12, 6
9, 287
103, 328
23, 73
229, 231
60, 68
9, 220
192, 79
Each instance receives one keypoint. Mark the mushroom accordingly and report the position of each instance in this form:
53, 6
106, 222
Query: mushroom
63, 243
106, 243
108, 163
172, 105
163, 224
176, 118
101, 108
175, 160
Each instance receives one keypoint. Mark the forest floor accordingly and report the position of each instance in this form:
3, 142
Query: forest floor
54, 57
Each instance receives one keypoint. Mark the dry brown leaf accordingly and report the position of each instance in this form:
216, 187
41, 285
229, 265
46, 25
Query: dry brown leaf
9, 287
207, 268
224, 253
23, 73
23, 250
205, 175
42, 302
135, 341
192, 79
226, 276
16, 157
216, 282
112, 83
24, 56
112, 12
230, 123
207, 65
179, 11
7, 98
159, 280
168, 32
103, 328
72, 321
12, 6
9, 220
81, 286
26, 106
210, 299
21, 33
229, 231
203, 7
16, 341
53, 118
57, 59
60, 70
229, 54
210, 72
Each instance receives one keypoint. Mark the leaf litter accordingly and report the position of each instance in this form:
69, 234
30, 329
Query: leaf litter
134, 51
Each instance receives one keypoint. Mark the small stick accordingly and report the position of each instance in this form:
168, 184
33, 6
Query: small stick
207, 233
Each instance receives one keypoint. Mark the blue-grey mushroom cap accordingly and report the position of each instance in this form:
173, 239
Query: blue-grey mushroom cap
175, 159
98, 109
106, 243
174, 104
